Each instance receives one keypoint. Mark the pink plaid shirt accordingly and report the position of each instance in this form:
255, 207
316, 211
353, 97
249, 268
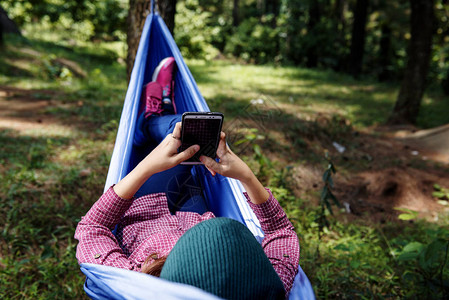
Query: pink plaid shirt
147, 227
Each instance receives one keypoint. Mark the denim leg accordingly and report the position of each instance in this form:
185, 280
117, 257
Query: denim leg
158, 127
155, 128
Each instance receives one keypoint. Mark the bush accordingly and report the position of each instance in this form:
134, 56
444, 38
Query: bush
192, 33
85, 19
254, 41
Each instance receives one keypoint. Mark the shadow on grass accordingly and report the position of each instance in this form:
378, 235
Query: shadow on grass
95, 55
10, 70
27, 151
39, 216
202, 73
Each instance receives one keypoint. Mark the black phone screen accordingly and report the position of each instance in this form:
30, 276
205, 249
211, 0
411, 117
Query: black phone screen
203, 131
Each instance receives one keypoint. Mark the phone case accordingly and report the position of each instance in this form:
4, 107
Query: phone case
208, 135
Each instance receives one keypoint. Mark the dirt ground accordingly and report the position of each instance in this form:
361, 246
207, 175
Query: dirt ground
401, 164
398, 171
24, 110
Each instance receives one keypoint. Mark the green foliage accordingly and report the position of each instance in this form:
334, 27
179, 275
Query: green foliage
306, 30
425, 262
407, 214
85, 19
326, 192
313, 33
192, 33
441, 193
254, 40
323, 35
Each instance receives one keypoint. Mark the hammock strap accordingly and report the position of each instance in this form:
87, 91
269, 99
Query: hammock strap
153, 5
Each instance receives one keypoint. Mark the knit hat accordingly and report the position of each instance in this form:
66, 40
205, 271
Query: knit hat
222, 257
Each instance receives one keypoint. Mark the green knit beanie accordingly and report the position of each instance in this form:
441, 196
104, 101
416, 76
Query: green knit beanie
222, 257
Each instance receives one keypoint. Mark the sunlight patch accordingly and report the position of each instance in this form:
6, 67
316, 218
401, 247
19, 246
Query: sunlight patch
36, 129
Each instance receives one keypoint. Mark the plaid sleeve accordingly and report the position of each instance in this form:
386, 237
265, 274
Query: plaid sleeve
281, 244
97, 244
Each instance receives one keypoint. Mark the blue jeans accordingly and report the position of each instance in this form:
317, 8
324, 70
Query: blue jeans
154, 129
183, 192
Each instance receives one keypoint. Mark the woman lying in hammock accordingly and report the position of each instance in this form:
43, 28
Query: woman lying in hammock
218, 255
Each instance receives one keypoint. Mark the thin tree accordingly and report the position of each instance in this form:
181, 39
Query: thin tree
385, 51
339, 11
294, 13
272, 7
7, 25
412, 89
358, 37
314, 19
338, 15
138, 11
1, 34
236, 13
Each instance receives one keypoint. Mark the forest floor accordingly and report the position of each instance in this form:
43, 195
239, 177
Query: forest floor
397, 173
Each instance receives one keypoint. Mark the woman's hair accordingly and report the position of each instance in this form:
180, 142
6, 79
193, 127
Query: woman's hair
155, 267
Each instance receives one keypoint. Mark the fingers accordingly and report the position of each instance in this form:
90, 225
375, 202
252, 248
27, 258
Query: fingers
210, 164
177, 130
221, 150
222, 140
211, 171
188, 153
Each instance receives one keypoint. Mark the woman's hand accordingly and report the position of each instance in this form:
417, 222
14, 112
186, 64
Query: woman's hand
163, 157
229, 165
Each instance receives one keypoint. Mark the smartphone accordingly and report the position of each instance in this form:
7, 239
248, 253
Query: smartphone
203, 129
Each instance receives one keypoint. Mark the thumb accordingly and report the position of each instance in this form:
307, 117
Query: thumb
188, 153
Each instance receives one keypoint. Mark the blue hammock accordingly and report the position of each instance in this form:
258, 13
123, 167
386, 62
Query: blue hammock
223, 196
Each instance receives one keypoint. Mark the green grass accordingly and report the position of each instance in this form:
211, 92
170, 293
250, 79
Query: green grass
49, 179
364, 103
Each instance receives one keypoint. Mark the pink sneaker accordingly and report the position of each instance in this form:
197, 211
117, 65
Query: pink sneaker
163, 74
152, 94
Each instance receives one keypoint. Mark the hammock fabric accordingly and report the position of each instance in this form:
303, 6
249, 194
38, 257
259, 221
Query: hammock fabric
223, 196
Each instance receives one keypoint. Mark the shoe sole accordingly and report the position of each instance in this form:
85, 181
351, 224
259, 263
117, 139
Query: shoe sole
158, 68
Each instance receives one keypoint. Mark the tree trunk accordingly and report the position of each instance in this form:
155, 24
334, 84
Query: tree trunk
314, 18
339, 10
385, 52
412, 89
261, 7
294, 13
338, 14
138, 11
272, 7
7, 25
355, 62
445, 84
167, 10
235, 13
1, 34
